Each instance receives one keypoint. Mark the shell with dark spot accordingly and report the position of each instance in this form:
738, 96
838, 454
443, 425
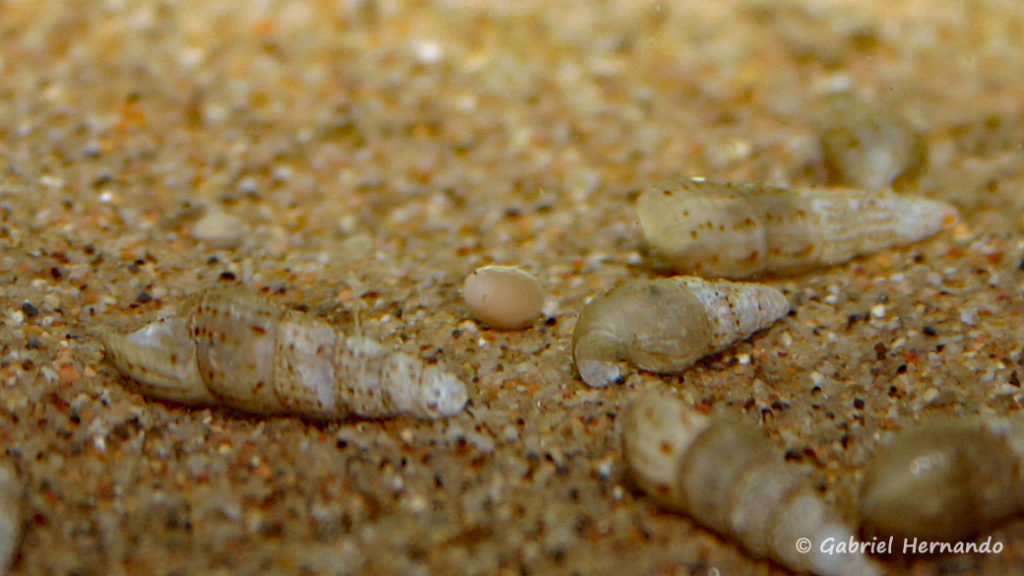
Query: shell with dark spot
234, 347
718, 229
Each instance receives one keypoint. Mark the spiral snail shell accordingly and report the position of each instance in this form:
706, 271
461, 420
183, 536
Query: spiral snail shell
235, 347
725, 474
718, 229
945, 480
870, 146
666, 325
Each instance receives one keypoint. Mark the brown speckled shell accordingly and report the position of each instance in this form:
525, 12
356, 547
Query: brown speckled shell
718, 229
234, 347
724, 473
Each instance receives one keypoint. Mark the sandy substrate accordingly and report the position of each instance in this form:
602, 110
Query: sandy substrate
375, 153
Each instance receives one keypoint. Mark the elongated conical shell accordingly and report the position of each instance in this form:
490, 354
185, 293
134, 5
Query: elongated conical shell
740, 230
945, 480
725, 474
234, 347
666, 325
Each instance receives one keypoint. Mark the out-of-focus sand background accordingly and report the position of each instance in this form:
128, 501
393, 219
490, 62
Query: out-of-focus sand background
376, 152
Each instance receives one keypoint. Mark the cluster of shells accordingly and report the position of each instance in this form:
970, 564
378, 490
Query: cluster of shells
234, 347
720, 471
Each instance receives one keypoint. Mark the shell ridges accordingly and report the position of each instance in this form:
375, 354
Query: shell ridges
667, 325
235, 347
725, 474
739, 230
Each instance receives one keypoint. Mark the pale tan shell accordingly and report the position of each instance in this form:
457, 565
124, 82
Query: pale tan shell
233, 346
666, 325
871, 147
945, 480
220, 229
503, 297
10, 516
726, 475
715, 229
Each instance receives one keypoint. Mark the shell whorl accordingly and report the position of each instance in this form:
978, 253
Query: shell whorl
234, 347
657, 431
738, 230
726, 475
945, 480
666, 325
